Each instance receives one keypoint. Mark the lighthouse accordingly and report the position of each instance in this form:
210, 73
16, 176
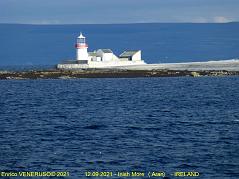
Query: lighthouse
81, 49
100, 58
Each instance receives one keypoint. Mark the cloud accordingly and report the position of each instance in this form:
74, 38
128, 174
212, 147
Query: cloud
216, 19
221, 19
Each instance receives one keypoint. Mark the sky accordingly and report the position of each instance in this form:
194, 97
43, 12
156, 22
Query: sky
117, 11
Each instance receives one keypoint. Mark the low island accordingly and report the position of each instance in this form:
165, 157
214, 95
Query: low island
195, 69
103, 63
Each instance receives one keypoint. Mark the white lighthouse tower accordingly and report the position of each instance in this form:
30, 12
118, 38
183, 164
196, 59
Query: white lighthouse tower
81, 49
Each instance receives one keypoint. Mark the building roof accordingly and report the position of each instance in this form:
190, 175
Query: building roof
129, 53
106, 50
92, 53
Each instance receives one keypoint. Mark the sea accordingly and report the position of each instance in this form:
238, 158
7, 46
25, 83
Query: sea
36, 45
94, 127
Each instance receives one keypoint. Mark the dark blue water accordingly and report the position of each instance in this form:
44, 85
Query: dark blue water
143, 124
50, 44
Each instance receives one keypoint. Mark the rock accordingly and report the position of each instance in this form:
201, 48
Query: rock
195, 74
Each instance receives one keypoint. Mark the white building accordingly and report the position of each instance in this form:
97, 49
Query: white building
134, 56
106, 55
101, 58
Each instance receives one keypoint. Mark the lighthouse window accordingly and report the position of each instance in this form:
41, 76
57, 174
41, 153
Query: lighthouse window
82, 40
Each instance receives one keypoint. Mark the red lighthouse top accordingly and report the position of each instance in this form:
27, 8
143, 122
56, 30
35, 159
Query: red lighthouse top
81, 42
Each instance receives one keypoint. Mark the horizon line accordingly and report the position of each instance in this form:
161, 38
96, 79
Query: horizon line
126, 23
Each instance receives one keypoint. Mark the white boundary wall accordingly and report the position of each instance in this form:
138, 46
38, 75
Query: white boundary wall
93, 64
229, 65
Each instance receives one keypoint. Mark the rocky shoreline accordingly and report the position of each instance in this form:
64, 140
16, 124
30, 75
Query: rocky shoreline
108, 73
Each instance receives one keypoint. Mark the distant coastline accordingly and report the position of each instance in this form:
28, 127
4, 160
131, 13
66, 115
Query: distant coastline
130, 23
